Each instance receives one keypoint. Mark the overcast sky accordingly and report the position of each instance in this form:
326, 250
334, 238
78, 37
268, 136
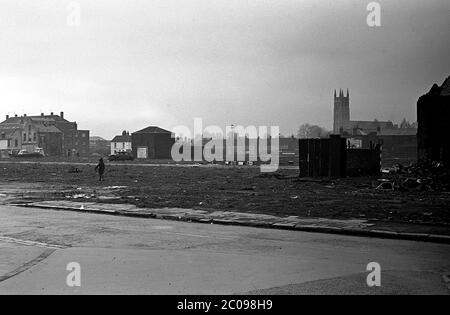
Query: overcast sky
131, 64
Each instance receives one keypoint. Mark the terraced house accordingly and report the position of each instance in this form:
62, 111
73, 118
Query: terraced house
52, 133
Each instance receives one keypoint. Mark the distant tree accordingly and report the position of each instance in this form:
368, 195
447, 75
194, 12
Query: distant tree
405, 124
312, 131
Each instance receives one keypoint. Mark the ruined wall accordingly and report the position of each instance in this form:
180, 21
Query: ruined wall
398, 149
433, 115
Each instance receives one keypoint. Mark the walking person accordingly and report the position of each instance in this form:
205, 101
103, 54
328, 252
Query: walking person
101, 169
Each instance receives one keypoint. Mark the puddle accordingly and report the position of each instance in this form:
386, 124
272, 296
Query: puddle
115, 187
79, 196
108, 198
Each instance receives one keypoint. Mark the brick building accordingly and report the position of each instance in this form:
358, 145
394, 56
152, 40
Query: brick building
53, 133
152, 143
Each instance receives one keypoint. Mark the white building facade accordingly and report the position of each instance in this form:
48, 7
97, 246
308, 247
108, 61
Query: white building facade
121, 143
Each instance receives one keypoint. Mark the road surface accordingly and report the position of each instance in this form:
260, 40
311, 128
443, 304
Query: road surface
120, 255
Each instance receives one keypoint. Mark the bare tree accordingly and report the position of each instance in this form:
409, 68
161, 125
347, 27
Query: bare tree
312, 131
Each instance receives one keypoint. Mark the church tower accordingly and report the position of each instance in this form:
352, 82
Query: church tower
341, 111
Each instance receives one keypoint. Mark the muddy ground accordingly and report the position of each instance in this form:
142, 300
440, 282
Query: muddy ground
242, 189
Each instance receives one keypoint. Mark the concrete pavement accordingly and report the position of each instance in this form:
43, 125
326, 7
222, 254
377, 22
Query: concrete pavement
355, 227
122, 255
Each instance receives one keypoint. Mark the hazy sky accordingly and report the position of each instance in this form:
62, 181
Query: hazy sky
131, 64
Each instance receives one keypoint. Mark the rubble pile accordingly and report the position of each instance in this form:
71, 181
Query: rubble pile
420, 176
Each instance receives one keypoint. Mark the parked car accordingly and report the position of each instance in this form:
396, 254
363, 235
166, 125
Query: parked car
121, 156
38, 153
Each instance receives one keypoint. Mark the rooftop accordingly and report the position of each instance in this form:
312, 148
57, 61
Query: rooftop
39, 119
48, 129
122, 138
154, 129
370, 125
398, 132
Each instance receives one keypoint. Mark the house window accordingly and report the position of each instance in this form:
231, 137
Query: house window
16, 143
34, 137
24, 137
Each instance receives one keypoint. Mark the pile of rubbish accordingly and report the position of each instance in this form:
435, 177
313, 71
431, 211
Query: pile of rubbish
420, 176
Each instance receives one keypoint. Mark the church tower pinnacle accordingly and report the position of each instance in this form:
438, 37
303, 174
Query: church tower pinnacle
341, 111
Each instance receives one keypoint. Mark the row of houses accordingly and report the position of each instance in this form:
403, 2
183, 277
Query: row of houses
55, 136
52, 134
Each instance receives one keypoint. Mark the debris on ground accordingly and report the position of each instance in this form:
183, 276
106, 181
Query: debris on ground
115, 187
385, 184
78, 196
240, 189
419, 176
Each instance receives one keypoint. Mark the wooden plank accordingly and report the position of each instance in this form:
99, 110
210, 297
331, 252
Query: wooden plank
310, 158
303, 157
316, 157
343, 158
324, 157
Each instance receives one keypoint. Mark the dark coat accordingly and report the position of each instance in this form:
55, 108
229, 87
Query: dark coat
100, 167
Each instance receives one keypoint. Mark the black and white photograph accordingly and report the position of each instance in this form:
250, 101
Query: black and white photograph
224, 153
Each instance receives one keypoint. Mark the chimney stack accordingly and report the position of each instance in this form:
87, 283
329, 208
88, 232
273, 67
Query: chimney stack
42, 114
7, 117
62, 115
124, 133
51, 113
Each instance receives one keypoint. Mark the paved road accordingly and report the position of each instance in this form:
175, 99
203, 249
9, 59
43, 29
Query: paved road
130, 255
